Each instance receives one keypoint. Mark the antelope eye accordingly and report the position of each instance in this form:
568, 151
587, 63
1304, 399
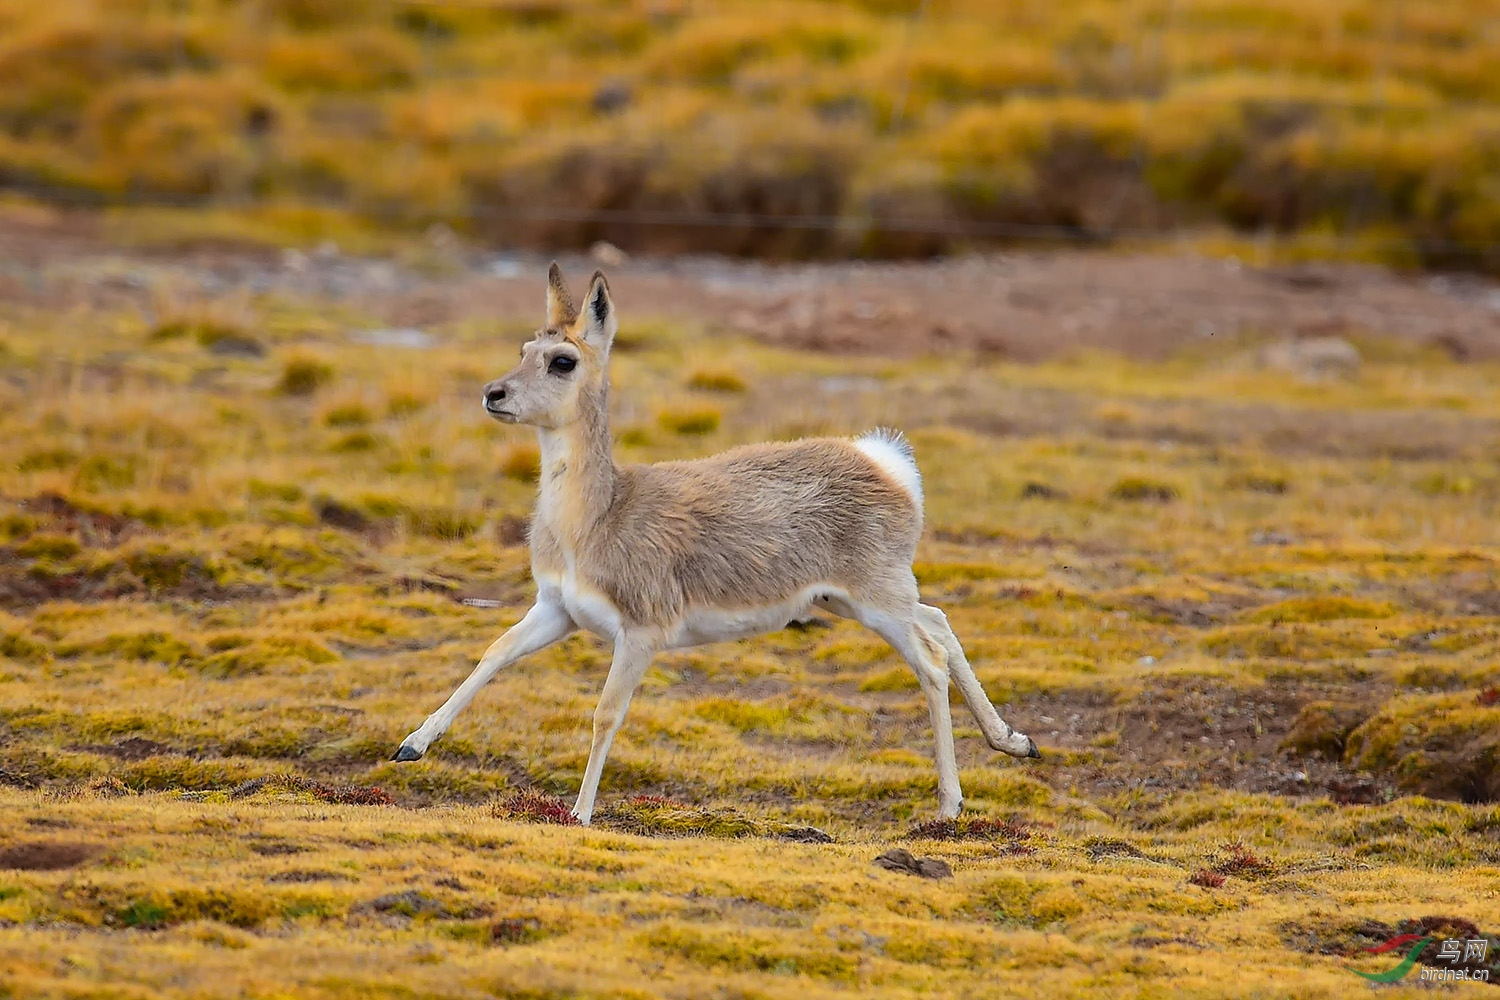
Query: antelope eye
562, 364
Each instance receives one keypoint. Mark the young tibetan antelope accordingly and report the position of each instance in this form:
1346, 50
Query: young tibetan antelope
653, 557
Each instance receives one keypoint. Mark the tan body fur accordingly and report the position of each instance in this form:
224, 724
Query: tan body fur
652, 557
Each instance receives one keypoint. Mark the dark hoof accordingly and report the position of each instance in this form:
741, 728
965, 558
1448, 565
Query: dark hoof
404, 752
1031, 750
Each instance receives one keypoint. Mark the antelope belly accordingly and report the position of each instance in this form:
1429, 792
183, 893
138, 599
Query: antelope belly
704, 625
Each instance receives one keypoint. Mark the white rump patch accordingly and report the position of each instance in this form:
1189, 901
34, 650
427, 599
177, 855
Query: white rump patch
893, 453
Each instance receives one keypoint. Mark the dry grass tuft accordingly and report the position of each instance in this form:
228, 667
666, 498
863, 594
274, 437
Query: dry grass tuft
690, 421
1207, 879
1138, 488
1009, 832
303, 376
522, 462
531, 806
1241, 862
716, 380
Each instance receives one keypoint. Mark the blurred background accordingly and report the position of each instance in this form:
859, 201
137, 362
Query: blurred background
1365, 129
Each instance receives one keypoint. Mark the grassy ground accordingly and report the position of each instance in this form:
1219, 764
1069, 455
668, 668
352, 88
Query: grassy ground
1252, 622
1364, 126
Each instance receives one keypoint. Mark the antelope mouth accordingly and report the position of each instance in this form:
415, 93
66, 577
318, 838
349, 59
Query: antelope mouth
509, 416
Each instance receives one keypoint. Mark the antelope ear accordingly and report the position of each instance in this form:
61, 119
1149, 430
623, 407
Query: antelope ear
560, 310
598, 324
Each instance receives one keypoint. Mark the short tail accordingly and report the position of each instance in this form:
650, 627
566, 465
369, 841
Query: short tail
895, 456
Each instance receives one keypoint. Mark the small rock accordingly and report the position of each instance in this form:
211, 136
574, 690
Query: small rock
1146, 661
607, 254
612, 96
899, 859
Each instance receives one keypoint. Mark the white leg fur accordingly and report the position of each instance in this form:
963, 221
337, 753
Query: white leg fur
633, 652
997, 733
543, 625
927, 660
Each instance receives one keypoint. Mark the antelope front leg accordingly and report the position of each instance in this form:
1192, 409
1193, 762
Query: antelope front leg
544, 624
633, 653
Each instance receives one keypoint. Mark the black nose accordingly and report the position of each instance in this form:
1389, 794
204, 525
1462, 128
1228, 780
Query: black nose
494, 393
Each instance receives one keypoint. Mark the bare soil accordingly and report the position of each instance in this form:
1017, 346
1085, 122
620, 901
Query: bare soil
46, 855
1200, 734
1024, 304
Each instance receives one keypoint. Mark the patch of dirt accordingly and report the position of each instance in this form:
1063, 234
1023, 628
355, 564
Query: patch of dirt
415, 903
271, 848
16, 779
1013, 836
516, 930
133, 749
95, 528
1026, 412
1024, 304
1035, 304
1156, 941
344, 795
24, 583
46, 855
1199, 614
659, 816
1100, 847
1197, 733
511, 530
338, 515
298, 876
